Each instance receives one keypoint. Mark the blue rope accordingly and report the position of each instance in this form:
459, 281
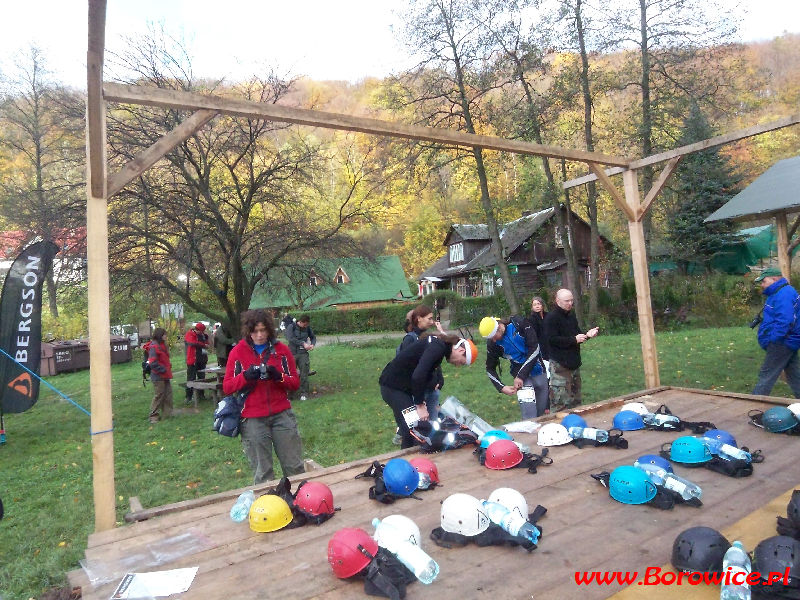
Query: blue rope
57, 391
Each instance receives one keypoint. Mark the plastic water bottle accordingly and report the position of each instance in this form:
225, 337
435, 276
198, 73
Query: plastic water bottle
729, 452
735, 562
412, 556
588, 433
511, 522
659, 476
658, 420
424, 481
452, 407
241, 509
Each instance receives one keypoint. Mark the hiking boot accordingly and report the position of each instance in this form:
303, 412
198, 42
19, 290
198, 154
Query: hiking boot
153, 420
397, 439
310, 373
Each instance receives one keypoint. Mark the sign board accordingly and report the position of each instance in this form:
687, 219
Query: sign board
512, 269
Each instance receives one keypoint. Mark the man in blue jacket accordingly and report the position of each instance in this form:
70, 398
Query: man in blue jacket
779, 333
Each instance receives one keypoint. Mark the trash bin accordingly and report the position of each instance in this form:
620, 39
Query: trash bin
120, 349
71, 355
48, 363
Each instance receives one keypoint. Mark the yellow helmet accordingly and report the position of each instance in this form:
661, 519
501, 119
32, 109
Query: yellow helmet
488, 327
269, 513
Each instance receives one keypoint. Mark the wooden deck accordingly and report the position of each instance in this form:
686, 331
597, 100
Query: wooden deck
584, 529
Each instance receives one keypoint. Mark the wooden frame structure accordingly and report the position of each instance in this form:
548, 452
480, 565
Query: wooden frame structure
101, 185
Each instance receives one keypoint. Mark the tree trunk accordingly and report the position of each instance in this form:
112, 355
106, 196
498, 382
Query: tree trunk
646, 133
572, 265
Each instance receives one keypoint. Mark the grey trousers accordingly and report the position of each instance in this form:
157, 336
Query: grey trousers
303, 364
541, 387
261, 434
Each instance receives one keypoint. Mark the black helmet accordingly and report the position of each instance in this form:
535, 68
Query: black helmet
778, 553
699, 549
793, 508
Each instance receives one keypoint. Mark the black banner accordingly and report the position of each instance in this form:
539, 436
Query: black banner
21, 326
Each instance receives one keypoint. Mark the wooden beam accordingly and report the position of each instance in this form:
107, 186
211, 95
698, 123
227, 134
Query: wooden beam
149, 96
696, 147
783, 245
609, 186
97, 276
147, 158
642, 280
658, 186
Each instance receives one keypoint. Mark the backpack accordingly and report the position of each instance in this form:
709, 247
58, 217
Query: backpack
413, 334
145, 363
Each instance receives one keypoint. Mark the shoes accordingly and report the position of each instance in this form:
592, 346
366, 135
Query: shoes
153, 420
303, 398
397, 439
310, 373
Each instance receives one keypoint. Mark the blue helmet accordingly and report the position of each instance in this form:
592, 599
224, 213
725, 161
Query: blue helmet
655, 459
627, 420
573, 420
493, 435
630, 485
689, 450
720, 436
778, 419
400, 477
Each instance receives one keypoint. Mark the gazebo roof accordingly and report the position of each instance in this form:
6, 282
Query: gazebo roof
774, 191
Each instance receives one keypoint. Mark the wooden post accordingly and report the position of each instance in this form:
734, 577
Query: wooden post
783, 245
642, 281
98, 281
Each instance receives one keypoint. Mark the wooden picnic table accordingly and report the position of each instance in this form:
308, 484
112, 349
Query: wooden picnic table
583, 530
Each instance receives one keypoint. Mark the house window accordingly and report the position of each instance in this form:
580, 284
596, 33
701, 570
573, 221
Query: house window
462, 288
487, 284
341, 276
559, 241
457, 252
313, 281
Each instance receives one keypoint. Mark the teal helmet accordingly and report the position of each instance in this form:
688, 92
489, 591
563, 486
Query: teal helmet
573, 420
493, 435
630, 485
778, 419
400, 477
689, 451
627, 420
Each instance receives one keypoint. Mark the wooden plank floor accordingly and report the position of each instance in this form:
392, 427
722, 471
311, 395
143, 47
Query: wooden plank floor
584, 529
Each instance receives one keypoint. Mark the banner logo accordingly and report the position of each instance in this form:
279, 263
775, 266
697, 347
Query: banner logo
22, 385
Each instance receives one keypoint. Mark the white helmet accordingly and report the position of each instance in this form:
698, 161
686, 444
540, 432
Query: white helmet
795, 408
553, 434
512, 500
462, 513
637, 407
404, 527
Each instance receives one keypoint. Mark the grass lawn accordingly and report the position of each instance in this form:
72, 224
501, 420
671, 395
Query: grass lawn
47, 461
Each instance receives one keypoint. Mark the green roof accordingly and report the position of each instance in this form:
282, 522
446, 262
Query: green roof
380, 279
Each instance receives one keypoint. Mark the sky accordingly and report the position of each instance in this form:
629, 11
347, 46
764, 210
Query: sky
322, 39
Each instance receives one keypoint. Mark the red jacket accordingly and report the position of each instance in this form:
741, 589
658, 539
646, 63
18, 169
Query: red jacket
267, 397
158, 358
195, 342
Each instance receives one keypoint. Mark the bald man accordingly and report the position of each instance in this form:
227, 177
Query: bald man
564, 338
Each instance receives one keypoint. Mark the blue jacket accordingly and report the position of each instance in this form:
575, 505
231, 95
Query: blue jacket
780, 322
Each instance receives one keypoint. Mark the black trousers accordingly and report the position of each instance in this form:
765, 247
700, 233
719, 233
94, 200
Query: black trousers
399, 401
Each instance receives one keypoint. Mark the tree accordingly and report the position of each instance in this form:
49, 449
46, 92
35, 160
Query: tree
239, 199
703, 182
447, 87
41, 190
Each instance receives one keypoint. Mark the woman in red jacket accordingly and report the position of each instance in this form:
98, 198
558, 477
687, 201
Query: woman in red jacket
265, 369
160, 375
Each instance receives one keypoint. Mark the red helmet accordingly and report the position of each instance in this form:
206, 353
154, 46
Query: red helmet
427, 466
314, 498
200, 326
503, 454
350, 550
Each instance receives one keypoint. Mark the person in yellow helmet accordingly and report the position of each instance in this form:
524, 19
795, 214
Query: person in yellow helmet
515, 339
406, 378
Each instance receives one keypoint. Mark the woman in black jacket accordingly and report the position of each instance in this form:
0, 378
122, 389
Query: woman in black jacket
404, 380
538, 313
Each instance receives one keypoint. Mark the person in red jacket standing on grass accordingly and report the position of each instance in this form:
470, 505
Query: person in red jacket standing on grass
160, 375
196, 342
264, 368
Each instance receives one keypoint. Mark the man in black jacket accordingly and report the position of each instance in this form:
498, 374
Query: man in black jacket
564, 338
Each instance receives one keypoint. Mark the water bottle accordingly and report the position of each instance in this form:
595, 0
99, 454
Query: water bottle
452, 407
424, 481
729, 452
659, 420
735, 562
511, 522
659, 476
588, 433
241, 509
412, 556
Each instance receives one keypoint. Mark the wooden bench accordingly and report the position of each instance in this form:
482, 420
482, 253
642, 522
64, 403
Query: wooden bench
205, 384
